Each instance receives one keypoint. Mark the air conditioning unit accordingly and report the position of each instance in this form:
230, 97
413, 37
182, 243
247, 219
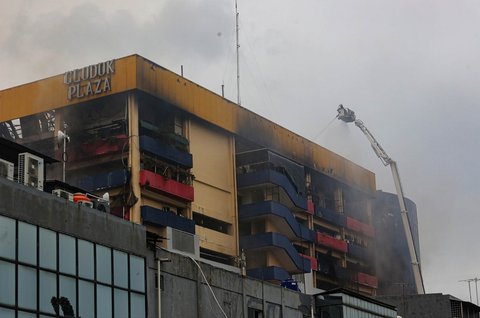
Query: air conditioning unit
6, 169
30, 170
63, 194
183, 242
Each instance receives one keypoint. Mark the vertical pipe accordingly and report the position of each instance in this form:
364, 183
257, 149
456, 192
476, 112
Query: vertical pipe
134, 156
476, 289
64, 155
238, 57
181, 70
159, 272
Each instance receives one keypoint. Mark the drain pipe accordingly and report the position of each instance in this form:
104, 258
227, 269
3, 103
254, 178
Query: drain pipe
159, 287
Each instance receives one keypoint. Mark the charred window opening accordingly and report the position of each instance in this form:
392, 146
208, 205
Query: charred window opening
162, 122
216, 256
212, 223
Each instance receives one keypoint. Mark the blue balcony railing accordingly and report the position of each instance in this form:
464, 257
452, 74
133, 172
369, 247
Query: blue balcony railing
167, 152
265, 208
275, 240
162, 218
276, 178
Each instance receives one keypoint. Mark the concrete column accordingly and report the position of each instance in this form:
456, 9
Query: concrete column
134, 155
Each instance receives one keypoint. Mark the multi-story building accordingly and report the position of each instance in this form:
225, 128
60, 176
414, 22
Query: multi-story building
393, 263
208, 176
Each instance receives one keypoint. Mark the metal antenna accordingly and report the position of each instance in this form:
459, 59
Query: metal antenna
470, 289
238, 58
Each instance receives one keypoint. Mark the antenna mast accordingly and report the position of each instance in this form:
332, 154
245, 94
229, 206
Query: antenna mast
238, 59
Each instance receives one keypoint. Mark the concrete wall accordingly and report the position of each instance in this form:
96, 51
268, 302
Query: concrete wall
420, 306
48, 211
185, 294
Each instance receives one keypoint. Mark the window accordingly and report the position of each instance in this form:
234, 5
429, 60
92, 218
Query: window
211, 223
137, 275
104, 264
27, 243
7, 237
255, 313
85, 259
66, 254
85, 275
7, 277
48, 249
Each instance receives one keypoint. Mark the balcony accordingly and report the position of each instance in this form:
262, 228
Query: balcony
103, 181
262, 159
272, 177
331, 242
170, 187
103, 146
275, 209
310, 207
157, 217
360, 227
313, 261
276, 241
331, 216
269, 273
360, 252
366, 280
165, 151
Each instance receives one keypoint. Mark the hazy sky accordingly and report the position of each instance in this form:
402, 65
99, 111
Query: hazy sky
409, 68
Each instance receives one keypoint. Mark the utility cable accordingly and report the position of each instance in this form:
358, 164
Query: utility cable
210, 287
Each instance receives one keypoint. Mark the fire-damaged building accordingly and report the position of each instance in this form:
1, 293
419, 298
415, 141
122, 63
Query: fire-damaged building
210, 177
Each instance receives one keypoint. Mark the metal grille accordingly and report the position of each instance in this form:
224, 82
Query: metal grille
183, 241
456, 308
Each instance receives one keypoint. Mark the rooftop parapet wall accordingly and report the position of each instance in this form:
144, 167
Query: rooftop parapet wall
136, 72
48, 211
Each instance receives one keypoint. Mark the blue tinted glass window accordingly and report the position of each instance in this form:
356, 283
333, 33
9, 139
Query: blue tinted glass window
120, 269
7, 313
7, 283
7, 237
85, 259
137, 304
67, 254
47, 290
27, 295
104, 297
68, 290
121, 303
86, 299
47, 248
104, 264
27, 243
22, 314
137, 273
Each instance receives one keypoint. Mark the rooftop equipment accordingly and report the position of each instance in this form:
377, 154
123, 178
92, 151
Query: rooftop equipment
347, 115
30, 170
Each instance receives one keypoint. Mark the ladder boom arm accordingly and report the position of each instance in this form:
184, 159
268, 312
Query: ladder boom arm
347, 115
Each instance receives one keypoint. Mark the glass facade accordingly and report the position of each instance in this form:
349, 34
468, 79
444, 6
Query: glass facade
48, 274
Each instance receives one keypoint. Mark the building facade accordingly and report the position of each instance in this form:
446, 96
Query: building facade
393, 263
208, 176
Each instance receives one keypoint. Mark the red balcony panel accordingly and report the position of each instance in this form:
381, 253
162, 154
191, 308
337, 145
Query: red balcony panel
313, 261
368, 230
336, 244
360, 227
367, 280
310, 207
104, 146
168, 186
354, 225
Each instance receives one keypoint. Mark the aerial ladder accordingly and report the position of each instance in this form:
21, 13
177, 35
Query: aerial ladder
347, 115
